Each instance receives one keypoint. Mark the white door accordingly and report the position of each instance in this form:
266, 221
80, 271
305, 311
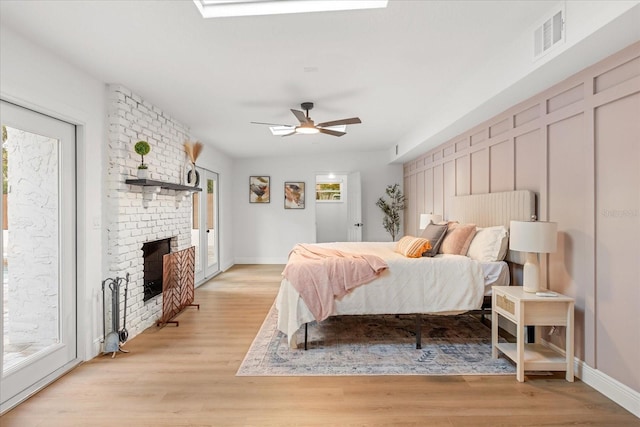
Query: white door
39, 254
354, 208
204, 230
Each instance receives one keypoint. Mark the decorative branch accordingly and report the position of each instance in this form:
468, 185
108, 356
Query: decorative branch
391, 209
193, 150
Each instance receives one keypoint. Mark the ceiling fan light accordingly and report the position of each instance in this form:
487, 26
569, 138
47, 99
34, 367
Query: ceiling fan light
306, 130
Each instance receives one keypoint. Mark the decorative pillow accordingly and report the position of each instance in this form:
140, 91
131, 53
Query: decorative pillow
434, 233
458, 239
489, 244
412, 247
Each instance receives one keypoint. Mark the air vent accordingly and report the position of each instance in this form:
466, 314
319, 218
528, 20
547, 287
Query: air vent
549, 34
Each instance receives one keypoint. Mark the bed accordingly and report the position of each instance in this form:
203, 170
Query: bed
444, 284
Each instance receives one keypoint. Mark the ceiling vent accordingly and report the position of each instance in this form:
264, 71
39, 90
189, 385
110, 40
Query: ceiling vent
549, 34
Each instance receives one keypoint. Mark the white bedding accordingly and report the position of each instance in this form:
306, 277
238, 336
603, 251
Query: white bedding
495, 274
446, 284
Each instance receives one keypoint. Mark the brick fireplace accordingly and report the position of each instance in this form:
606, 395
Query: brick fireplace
133, 218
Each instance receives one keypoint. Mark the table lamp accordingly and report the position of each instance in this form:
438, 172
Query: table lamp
532, 237
425, 219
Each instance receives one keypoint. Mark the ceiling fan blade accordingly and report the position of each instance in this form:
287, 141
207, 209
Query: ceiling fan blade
293, 132
272, 124
351, 121
331, 132
302, 118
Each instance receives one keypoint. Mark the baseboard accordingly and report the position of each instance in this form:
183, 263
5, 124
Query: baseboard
621, 394
261, 261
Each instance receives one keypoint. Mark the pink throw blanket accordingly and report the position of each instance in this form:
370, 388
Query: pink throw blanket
320, 275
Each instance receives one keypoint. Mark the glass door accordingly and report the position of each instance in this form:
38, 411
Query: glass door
38, 251
204, 230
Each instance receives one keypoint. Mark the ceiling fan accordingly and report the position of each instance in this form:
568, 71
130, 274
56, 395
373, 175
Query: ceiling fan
308, 126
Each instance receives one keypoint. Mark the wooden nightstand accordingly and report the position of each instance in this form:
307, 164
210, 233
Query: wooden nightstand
527, 309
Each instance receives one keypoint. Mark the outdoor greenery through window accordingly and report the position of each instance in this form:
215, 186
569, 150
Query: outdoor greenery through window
329, 191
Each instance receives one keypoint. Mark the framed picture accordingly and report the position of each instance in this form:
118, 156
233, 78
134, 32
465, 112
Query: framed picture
294, 195
259, 189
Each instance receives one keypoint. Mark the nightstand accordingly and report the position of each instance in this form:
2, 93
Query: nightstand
528, 309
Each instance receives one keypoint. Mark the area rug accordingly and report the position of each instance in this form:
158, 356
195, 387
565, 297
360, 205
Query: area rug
376, 345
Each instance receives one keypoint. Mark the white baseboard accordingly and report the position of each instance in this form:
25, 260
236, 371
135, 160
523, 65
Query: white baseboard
623, 395
261, 261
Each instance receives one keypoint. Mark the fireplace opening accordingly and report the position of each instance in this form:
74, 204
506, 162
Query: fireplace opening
153, 253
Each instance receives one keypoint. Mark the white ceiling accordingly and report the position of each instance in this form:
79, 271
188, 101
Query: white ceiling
391, 67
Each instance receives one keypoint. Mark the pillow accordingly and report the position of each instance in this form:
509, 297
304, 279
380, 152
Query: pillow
489, 244
457, 239
434, 233
412, 247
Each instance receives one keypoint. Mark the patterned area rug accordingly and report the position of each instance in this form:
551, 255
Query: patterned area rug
376, 345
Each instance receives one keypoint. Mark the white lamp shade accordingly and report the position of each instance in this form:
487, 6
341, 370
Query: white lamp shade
425, 219
533, 236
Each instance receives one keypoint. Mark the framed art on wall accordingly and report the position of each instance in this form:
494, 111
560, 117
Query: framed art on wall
294, 195
259, 189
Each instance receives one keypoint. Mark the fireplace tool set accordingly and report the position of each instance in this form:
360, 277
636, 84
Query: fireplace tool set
116, 336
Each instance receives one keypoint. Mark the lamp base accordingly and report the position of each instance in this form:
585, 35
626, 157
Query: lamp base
531, 274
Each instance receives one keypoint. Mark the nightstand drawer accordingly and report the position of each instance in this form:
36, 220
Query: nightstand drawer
503, 302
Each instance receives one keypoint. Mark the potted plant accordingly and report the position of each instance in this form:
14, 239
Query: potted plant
391, 209
142, 148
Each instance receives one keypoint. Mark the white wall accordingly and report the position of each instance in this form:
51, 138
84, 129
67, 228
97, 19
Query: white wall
34, 78
265, 233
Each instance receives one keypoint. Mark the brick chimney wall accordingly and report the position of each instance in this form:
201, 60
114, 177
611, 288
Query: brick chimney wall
132, 221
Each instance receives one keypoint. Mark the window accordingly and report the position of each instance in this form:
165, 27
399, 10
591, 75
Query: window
329, 192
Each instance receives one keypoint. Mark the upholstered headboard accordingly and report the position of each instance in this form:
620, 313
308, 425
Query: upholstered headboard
486, 210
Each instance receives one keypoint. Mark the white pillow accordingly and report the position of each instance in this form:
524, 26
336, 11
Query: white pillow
489, 244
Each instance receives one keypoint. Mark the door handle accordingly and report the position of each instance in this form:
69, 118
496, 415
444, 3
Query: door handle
358, 224
208, 231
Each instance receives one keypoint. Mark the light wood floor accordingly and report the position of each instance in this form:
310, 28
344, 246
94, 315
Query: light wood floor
185, 376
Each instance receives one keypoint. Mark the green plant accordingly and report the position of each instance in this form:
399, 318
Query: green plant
391, 209
142, 148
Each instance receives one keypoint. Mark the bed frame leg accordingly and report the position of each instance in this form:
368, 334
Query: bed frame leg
418, 331
305, 335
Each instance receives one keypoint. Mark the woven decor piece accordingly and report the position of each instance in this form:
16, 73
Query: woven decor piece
178, 279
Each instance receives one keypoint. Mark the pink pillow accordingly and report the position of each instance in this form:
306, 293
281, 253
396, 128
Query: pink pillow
458, 239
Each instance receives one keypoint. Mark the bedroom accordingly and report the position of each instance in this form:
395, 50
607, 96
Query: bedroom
76, 94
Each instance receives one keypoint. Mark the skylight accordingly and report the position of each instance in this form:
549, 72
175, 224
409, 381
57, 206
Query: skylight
227, 8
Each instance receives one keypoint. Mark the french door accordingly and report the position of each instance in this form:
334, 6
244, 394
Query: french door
38, 251
204, 228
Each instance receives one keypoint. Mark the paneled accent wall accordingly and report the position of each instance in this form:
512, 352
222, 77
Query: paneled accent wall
577, 146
